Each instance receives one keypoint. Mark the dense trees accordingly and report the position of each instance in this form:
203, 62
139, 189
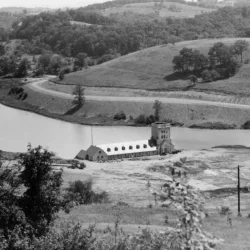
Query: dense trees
7, 65
82, 15
52, 35
122, 34
189, 60
10, 213
119, 3
2, 49
42, 197
30, 194
221, 62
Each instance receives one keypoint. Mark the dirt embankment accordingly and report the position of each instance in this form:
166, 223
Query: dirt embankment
189, 109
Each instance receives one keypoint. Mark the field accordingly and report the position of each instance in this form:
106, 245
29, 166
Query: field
208, 170
151, 69
148, 8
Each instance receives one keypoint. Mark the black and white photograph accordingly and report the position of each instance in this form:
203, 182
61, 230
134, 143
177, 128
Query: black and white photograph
125, 125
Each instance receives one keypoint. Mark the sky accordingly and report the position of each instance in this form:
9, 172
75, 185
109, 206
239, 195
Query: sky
48, 3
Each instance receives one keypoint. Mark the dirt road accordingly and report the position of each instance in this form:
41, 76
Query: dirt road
38, 86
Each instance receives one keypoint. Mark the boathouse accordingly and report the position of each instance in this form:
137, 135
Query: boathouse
159, 143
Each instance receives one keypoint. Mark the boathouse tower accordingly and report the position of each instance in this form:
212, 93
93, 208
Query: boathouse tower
160, 135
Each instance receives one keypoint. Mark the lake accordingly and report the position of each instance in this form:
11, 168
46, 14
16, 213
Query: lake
18, 128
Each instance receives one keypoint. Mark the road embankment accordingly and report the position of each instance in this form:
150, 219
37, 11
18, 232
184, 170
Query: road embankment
47, 100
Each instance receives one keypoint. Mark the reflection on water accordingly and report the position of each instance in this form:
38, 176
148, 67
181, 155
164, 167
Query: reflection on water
18, 128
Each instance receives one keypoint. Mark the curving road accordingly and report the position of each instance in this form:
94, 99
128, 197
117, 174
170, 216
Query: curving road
38, 86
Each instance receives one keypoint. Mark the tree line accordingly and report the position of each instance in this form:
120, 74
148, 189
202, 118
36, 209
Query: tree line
53, 31
223, 61
31, 195
120, 3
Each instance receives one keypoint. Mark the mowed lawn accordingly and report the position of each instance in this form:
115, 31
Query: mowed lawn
148, 8
149, 68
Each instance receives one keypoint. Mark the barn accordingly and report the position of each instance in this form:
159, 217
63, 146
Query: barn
159, 143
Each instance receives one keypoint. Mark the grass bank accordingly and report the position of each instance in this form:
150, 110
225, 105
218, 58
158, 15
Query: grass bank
205, 115
101, 113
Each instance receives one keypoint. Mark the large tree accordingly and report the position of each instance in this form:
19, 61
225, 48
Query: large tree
240, 47
22, 69
79, 97
178, 64
190, 60
200, 61
81, 60
42, 198
220, 55
7, 65
158, 110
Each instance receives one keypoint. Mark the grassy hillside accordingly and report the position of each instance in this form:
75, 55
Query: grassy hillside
148, 8
149, 69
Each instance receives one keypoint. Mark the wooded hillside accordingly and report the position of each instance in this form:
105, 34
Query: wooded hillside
53, 31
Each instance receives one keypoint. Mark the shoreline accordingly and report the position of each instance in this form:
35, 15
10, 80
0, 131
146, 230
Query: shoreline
102, 120
100, 113
63, 118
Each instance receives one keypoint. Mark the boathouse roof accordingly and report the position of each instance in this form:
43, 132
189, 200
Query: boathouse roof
127, 147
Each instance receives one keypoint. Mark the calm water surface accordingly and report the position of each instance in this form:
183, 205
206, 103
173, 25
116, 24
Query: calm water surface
18, 128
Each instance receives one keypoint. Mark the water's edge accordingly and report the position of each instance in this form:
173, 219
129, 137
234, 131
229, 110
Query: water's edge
91, 121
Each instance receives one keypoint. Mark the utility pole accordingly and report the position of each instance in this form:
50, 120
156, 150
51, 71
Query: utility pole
92, 134
239, 214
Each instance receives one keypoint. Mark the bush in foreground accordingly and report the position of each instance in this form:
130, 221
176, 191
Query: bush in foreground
81, 193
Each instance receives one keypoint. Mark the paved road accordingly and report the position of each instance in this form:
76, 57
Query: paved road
38, 86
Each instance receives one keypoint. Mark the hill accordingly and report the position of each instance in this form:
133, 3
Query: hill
8, 15
167, 9
24, 10
149, 68
54, 32
7, 19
